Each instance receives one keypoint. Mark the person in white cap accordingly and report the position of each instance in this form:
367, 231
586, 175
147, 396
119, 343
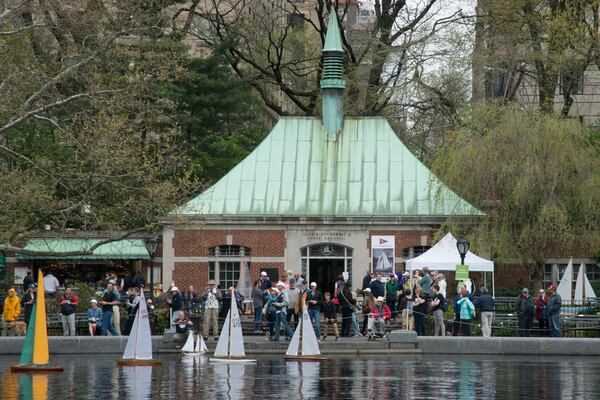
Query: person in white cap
94, 315
175, 302
381, 316
265, 282
211, 296
315, 301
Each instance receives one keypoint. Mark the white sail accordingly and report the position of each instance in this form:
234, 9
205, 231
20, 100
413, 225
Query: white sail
565, 286
188, 347
308, 345
200, 345
244, 284
138, 382
583, 288
139, 342
231, 340
295, 342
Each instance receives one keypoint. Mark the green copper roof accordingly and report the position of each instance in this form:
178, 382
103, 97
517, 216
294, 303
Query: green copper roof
300, 171
126, 249
333, 39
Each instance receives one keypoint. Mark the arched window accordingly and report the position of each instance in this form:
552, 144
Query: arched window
224, 264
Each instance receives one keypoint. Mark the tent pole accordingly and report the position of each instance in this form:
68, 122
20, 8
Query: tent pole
493, 286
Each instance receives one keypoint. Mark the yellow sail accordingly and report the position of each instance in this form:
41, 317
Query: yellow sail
40, 341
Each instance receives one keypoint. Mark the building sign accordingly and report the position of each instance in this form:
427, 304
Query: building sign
383, 254
327, 236
462, 272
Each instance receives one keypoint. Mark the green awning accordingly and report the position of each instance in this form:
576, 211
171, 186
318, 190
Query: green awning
126, 249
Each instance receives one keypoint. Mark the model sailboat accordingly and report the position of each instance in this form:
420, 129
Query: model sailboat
583, 287
230, 347
35, 356
189, 348
304, 345
138, 350
565, 286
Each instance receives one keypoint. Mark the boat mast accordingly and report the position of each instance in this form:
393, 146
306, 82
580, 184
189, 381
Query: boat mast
230, 323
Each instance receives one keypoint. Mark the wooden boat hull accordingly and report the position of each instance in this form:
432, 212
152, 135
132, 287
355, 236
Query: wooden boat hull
305, 358
232, 359
133, 362
36, 368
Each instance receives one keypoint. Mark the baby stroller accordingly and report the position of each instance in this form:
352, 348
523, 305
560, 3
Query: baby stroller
375, 328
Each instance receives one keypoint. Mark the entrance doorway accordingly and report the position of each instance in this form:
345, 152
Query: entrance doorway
324, 263
325, 272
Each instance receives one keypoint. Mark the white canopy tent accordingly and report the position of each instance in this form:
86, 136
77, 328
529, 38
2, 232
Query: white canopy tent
444, 256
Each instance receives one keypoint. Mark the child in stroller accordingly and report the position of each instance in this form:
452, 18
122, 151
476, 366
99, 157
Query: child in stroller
379, 318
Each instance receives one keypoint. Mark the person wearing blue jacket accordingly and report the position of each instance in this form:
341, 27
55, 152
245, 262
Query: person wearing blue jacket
94, 316
466, 312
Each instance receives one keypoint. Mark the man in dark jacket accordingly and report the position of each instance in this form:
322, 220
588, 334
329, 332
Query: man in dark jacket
175, 302
314, 300
348, 304
28, 301
377, 287
485, 305
554, 305
525, 312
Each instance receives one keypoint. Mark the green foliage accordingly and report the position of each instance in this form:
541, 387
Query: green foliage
220, 117
536, 176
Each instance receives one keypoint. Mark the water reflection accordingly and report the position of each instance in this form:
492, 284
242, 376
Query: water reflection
137, 380
390, 377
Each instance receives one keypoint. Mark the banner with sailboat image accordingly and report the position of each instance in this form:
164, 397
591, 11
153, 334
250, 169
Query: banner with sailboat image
383, 255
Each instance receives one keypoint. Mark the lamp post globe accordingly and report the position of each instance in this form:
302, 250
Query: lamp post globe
462, 245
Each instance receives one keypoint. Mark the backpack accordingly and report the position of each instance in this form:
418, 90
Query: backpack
444, 304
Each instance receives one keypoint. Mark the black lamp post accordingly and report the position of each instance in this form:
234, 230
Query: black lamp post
462, 244
151, 245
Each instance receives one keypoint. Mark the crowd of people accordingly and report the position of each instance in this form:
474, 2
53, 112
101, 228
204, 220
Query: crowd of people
277, 307
103, 314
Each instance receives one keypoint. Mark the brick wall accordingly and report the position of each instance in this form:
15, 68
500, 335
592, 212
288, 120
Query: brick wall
187, 273
262, 243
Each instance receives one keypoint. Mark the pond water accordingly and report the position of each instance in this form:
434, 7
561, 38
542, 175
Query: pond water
380, 377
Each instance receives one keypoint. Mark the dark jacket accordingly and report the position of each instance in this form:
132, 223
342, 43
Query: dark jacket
329, 310
258, 299
317, 296
366, 281
345, 297
27, 307
177, 302
377, 288
525, 306
139, 281
485, 302
554, 304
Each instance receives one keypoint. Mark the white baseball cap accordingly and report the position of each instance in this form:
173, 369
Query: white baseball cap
313, 284
93, 301
263, 273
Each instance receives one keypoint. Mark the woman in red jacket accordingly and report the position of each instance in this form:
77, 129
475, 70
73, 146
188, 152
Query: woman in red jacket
541, 312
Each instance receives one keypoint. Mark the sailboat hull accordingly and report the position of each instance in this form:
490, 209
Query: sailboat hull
36, 368
232, 359
305, 358
133, 361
